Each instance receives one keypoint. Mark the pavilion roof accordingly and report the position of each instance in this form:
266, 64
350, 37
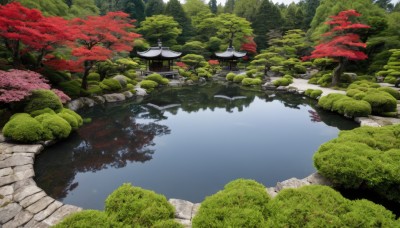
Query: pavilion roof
159, 53
230, 53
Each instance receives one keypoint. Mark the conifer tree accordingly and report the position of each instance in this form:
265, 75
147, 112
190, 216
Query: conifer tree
229, 6
154, 7
175, 9
213, 6
310, 6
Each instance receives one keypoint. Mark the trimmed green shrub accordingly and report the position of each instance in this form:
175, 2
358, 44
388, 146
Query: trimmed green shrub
110, 85
72, 121
95, 90
148, 85
129, 86
230, 76
42, 111
321, 206
359, 96
137, 207
363, 84
380, 101
93, 77
313, 93
281, 82
41, 99
130, 74
288, 77
391, 91
345, 105
365, 157
390, 80
325, 80
167, 224
242, 203
54, 126
88, 218
158, 78
78, 118
23, 128
326, 102
239, 78
72, 88
251, 73
251, 82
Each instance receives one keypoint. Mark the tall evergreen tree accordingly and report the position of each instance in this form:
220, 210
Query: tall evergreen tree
175, 9
385, 4
135, 9
154, 7
213, 6
229, 6
247, 8
309, 6
267, 18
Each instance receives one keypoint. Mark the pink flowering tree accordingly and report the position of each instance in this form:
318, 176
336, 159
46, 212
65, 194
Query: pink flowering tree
16, 85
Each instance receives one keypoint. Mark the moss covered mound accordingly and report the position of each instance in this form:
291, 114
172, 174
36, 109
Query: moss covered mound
321, 206
148, 85
23, 128
89, 218
41, 99
158, 78
138, 207
345, 105
54, 126
242, 203
365, 157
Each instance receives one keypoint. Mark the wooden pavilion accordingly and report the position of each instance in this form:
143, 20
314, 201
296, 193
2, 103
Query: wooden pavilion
230, 57
160, 60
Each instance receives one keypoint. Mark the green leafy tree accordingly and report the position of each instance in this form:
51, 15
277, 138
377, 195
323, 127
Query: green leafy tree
309, 6
48, 7
384, 4
175, 9
267, 18
154, 7
213, 6
160, 27
195, 7
247, 9
135, 9
83, 8
293, 17
229, 6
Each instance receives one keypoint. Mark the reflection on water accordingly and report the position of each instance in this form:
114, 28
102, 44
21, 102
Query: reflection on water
187, 151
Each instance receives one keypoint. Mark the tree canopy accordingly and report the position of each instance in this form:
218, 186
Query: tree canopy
160, 27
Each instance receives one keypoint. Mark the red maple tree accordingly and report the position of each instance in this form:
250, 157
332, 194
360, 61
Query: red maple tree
341, 43
98, 38
249, 46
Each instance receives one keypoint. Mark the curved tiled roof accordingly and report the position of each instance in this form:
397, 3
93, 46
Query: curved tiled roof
230, 53
159, 53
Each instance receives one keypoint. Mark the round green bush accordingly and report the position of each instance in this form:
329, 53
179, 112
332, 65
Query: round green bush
239, 78
23, 128
366, 157
351, 107
288, 77
148, 85
251, 82
74, 114
251, 73
54, 126
158, 78
359, 96
326, 102
230, 76
93, 77
130, 74
391, 91
110, 85
137, 207
364, 84
321, 206
130, 86
167, 224
95, 90
390, 79
316, 93
88, 218
352, 92
325, 80
281, 82
72, 121
72, 88
41, 99
42, 111
380, 101
242, 203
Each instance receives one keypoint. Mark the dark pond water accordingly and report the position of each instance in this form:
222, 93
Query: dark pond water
189, 151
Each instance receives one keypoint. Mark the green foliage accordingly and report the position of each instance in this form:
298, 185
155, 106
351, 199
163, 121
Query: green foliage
72, 121
41, 99
94, 90
42, 111
380, 101
110, 85
325, 80
282, 82
158, 78
193, 47
251, 73
160, 27
313, 93
78, 118
71, 88
23, 128
230, 76
344, 105
239, 78
242, 203
135, 206
194, 60
93, 77
167, 224
148, 85
88, 218
391, 91
251, 82
54, 126
154, 7
175, 10
392, 69
365, 157
316, 206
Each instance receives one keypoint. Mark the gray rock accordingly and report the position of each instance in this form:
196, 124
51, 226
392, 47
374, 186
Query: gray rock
5, 156
36, 224
6, 171
60, 213
75, 104
127, 94
20, 219
282, 88
195, 209
291, 183
18, 176
5, 200
140, 92
353, 76
114, 97
48, 211
271, 192
16, 160
87, 102
365, 121
121, 79
183, 208
25, 191
316, 178
24, 183
9, 212
4, 148
2, 138
7, 190
269, 86
27, 149
40, 205
313, 72
99, 99
32, 199
22, 168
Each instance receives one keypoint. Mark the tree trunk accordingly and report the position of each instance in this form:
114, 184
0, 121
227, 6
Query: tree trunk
16, 56
39, 59
88, 66
338, 71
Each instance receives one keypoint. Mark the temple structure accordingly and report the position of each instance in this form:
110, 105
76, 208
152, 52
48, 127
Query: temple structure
160, 59
230, 57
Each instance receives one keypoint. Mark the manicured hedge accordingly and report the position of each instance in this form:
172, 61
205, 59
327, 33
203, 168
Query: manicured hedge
23, 128
313, 93
110, 85
242, 203
54, 126
87, 219
251, 82
148, 85
321, 206
281, 82
239, 78
365, 157
41, 99
381, 102
158, 78
138, 207
345, 105
230, 76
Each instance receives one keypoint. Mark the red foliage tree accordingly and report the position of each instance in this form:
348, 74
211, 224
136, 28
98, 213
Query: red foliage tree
98, 38
249, 46
16, 85
341, 43
27, 30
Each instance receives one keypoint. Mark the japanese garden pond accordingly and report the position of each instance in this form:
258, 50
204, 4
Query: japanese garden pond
192, 148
